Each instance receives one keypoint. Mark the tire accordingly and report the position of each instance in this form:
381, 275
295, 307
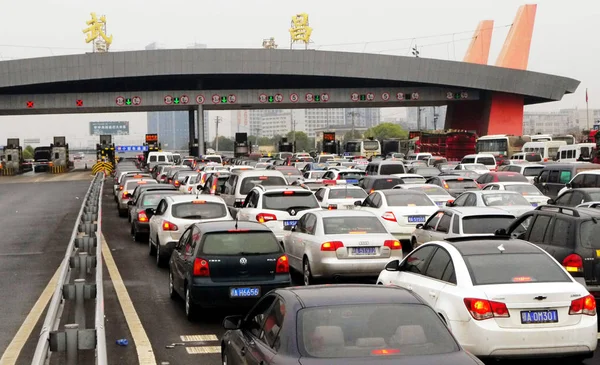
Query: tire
122, 213
160, 257
152, 249
137, 237
190, 309
172, 293
307, 273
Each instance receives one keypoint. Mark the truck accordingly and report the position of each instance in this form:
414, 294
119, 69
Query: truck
451, 144
42, 158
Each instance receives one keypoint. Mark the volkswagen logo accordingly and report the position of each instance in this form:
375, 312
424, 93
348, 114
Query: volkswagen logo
243, 261
541, 297
292, 212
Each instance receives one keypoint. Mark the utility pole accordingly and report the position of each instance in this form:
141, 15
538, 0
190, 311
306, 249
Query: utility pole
217, 121
418, 118
293, 122
435, 118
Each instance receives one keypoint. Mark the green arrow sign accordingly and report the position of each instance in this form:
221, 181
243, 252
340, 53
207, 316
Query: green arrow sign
176, 100
128, 101
223, 99
271, 99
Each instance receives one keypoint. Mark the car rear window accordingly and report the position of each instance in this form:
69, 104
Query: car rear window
511, 177
239, 243
351, 175
508, 268
469, 160
414, 180
199, 209
462, 184
381, 184
431, 190
408, 200
213, 158
485, 224
501, 200
486, 161
130, 185
532, 171
317, 174
347, 193
152, 200
525, 189
289, 171
284, 200
427, 171
372, 330
249, 182
590, 231
389, 169
352, 225
475, 166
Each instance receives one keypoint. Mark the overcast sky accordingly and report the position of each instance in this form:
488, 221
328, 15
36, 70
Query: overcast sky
565, 41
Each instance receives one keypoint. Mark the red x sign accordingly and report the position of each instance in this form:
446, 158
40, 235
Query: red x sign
79, 102
30, 104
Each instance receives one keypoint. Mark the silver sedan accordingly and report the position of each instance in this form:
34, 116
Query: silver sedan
328, 244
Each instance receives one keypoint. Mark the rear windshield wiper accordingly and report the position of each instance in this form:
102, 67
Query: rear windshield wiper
192, 217
250, 253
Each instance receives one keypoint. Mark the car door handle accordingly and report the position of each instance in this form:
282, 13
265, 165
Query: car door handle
433, 294
243, 351
409, 287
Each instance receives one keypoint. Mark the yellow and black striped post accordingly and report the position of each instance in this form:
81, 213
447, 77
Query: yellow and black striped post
7, 171
58, 169
102, 166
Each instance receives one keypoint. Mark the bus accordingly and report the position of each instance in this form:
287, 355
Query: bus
501, 145
569, 139
547, 149
362, 147
576, 153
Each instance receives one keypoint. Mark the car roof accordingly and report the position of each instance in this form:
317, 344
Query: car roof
225, 226
571, 165
474, 211
455, 177
242, 172
381, 177
276, 188
387, 162
510, 183
189, 197
342, 213
389, 192
490, 192
346, 294
486, 245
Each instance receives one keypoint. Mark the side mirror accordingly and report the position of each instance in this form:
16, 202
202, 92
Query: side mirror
569, 185
420, 226
450, 203
232, 322
501, 232
150, 212
393, 265
128, 196
536, 180
130, 202
551, 202
358, 203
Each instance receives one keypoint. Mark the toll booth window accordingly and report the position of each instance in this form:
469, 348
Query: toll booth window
56, 156
9, 158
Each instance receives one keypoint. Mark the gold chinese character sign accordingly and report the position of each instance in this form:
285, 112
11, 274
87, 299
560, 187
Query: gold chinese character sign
300, 30
96, 32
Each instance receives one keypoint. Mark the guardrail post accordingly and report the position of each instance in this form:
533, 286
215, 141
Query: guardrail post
72, 348
83, 267
79, 302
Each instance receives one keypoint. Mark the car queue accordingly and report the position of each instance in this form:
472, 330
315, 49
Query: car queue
451, 242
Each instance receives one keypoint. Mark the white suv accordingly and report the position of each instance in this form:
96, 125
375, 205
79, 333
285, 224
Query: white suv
174, 214
277, 206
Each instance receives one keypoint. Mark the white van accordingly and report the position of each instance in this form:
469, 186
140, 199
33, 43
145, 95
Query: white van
573, 152
486, 159
240, 183
418, 156
154, 158
214, 158
546, 149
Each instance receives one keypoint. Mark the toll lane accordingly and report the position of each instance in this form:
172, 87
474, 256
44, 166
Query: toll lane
35, 224
173, 338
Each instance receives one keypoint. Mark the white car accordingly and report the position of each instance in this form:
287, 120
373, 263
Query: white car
584, 179
127, 191
529, 170
277, 206
501, 297
174, 214
478, 168
401, 210
313, 175
342, 196
440, 196
351, 176
532, 194
189, 183
411, 178
327, 244
510, 201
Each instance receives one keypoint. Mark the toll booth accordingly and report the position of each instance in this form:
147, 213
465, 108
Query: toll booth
285, 146
153, 146
12, 158
241, 148
60, 155
105, 150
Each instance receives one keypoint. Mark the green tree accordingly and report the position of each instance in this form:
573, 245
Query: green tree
386, 130
302, 142
225, 144
28, 152
349, 136
265, 141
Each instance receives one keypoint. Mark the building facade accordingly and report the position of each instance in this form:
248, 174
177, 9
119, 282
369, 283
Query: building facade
428, 118
561, 122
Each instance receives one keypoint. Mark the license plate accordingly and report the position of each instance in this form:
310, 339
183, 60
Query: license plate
289, 223
440, 204
349, 206
416, 219
534, 204
364, 251
351, 181
542, 316
246, 292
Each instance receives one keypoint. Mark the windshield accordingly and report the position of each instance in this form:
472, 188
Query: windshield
427, 171
590, 231
408, 200
532, 171
414, 180
243, 243
461, 184
431, 190
352, 225
353, 147
199, 209
485, 224
317, 174
283, 201
131, 185
213, 158
381, 184
371, 145
525, 189
325, 158
509, 268
249, 182
493, 145
372, 330
152, 200
347, 194
475, 166
389, 169
349, 175
499, 200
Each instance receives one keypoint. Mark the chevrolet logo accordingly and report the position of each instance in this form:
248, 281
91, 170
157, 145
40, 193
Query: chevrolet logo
540, 297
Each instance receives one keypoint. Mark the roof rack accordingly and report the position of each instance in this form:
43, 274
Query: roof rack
561, 210
477, 238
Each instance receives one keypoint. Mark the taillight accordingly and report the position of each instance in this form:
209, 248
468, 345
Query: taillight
176, 183
389, 216
283, 266
190, 188
331, 246
124, 195
265, 217
393, 244
201, 267
168, 226
446, 186
481, 309
573, 263
332, 207
142, 217
371, 191
585, 305
120, 187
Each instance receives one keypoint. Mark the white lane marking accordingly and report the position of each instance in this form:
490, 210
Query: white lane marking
140, 338
198, 338
13, 350
203, 350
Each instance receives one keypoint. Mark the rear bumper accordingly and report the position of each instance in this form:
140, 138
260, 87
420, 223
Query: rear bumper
141, 227
209, 294
334, 267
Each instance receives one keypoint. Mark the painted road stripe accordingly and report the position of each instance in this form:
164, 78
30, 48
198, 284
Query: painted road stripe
13, 350
196, 350
142, 342
198, 338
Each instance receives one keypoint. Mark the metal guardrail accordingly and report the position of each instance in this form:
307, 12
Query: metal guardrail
84, 254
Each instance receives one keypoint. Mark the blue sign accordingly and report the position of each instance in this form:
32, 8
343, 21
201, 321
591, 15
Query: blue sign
132, 148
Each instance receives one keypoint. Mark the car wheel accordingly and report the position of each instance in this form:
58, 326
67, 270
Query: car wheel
159, 256
172, 292
152, 249
190, 310
306, 273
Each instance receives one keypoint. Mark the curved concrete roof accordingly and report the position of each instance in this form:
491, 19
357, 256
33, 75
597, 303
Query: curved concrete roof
262, 68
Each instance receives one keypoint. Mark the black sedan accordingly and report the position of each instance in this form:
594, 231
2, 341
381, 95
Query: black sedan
340, 324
